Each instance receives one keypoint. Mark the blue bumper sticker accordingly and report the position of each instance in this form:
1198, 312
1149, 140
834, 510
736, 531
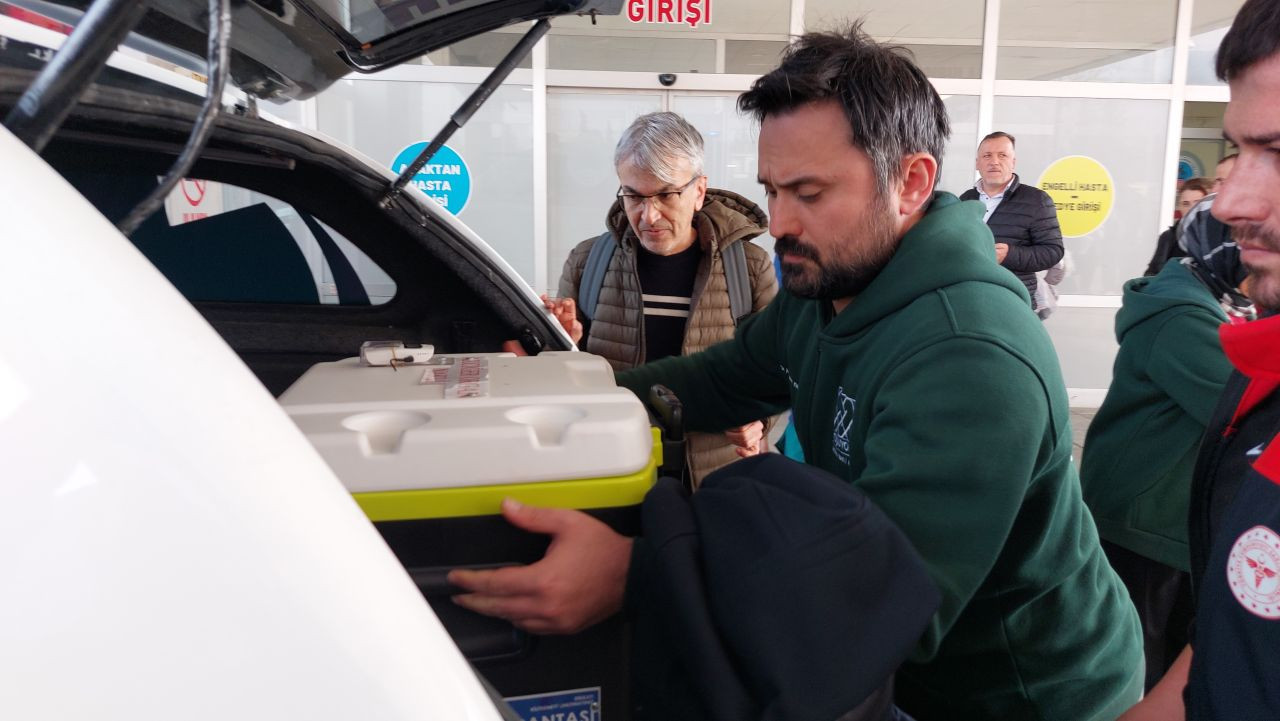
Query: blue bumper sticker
581, 704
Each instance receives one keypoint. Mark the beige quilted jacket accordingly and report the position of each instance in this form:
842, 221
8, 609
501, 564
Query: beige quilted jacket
618, 331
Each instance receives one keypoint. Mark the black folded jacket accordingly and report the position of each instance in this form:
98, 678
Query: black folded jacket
777, 591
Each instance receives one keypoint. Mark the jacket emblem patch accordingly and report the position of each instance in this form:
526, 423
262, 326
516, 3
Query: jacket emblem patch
841, 424
1253, 572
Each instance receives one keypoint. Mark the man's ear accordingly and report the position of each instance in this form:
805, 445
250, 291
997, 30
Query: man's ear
919, 172
702, 192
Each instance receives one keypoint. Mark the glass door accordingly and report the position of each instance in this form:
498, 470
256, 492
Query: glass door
582, 129
583, 126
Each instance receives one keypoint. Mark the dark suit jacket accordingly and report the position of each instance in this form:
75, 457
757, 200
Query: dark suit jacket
1027, 220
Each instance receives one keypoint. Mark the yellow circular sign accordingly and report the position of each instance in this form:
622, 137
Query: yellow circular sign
1083, 192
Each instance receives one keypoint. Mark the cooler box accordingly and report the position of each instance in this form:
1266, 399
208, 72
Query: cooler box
429, 451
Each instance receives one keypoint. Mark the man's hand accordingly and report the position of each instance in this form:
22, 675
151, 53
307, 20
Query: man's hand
1002, 249
578, 583
1164, 701
749, 439
566, 311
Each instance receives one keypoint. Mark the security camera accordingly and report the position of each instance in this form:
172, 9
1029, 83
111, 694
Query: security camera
667, 79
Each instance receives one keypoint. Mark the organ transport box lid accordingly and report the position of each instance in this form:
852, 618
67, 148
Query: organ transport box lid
478, 420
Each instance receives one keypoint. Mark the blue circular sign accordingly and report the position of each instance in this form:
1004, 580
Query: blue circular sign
445, 178
1189, 167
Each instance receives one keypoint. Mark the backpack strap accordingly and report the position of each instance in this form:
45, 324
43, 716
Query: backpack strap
737, 277
738, 280
593, 273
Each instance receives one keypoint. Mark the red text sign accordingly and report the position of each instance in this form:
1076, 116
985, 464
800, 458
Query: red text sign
670, 12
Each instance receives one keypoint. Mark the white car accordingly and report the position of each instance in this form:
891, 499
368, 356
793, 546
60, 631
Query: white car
172, 545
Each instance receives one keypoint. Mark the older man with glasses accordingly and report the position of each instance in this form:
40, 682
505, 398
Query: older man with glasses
665, 290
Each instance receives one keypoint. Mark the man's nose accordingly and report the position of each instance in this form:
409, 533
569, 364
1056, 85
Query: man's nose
1239, 199
650, 211
782, 219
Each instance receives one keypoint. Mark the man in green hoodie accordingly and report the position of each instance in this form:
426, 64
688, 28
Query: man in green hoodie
917, 371
1142, 444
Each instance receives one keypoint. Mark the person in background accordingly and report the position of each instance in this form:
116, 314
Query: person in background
1193, 190
1141, 446
665, 291
1223, 170
1023, 218
1229, 669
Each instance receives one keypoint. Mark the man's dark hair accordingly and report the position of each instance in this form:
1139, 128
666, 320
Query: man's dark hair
892, 108
1200, 185
1254, 36
1013, 142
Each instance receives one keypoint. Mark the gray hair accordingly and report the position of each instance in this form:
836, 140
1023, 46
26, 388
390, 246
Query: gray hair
655, 142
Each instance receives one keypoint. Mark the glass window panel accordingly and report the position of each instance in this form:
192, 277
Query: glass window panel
1048, 129
1203, 115
944, 37
752, 57
582, 130
1200, 157
948, 61
1210, 20
483, 51
1202, 146
380, 118
628, 53
730, 156
957, 163
899, 21
223, 242
1085, 64
1096, 42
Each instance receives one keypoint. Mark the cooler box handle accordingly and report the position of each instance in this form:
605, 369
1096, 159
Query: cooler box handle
480, 638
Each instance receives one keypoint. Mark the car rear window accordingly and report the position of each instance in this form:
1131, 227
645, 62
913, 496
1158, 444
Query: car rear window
219, 242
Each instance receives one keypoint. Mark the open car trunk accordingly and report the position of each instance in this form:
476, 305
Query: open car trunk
285, 301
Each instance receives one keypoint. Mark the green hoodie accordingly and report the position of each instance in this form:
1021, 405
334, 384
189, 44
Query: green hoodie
937, 392
1142, 443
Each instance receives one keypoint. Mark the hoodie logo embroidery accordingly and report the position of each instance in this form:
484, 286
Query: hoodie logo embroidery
842, 424
787, 372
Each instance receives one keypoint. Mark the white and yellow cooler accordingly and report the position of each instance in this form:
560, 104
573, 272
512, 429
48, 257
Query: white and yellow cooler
430, 450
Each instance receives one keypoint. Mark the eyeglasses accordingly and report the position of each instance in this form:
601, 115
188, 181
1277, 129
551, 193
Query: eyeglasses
666, 198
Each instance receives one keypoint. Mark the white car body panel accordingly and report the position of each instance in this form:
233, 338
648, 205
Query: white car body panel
174, 548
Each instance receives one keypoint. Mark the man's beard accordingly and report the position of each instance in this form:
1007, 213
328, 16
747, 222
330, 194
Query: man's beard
1264, 286
869, 246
